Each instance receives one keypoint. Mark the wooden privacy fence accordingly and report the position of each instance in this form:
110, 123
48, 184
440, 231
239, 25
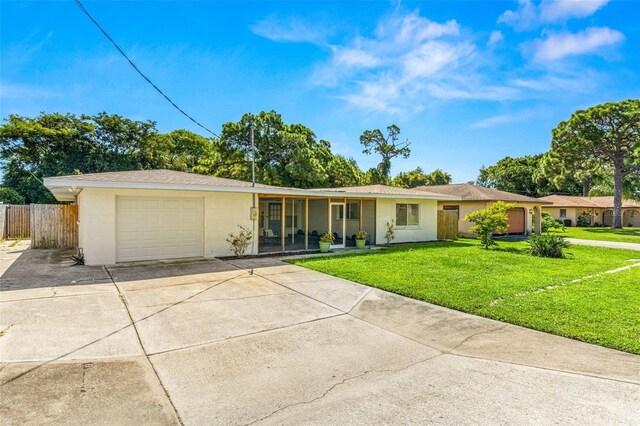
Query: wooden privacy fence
54, 226
16, 222
447, 225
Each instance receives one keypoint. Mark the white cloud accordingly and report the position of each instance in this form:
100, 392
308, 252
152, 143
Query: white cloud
557, 10
560, 45
291, 30
409, 63
25, 91
494, 121
409, 60
523, 18
529, 15
495, 38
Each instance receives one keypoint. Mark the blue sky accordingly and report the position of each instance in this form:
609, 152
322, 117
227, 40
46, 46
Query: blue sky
468, 82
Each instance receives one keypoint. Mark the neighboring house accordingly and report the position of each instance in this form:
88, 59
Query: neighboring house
595, 210
473, 198
163, 214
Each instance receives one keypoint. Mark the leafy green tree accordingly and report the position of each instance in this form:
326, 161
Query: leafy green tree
179, 150
567, 175
417, 177
388, 147
607, 134
630, 188
520, 175
489, 221
343, 171
63, 144
10, 196
285, 154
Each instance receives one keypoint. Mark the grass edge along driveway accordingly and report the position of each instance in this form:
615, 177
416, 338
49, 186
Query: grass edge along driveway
508, 285
624, 235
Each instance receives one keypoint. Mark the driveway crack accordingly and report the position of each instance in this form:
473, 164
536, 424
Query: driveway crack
144, 350
342, 382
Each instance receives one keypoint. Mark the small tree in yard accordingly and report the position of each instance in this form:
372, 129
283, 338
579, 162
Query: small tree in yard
389, 235
489, 221
241, 241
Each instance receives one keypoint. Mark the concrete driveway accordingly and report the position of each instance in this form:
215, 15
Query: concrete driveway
609, 244
261, 341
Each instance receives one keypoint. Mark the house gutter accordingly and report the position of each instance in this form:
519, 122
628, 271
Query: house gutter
53, 183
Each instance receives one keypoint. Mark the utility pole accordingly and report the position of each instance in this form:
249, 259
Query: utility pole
254, 212
253, 160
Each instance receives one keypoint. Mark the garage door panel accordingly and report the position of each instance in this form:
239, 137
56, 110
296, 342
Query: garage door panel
190, 205
170, 219
516, 221
159, 228
128, 204
190, 219
128, 236
149, 219
170, 204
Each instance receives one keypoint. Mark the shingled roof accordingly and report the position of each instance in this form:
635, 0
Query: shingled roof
380, 189
64, 188
586, 202
159, 176
471, 192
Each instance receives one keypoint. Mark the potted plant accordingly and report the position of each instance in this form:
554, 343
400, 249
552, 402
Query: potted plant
361, 239
325, 241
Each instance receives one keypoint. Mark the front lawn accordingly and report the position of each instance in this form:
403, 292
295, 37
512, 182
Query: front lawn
625, 235
500, 284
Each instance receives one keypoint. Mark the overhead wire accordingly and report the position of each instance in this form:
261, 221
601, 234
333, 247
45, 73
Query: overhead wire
135, 67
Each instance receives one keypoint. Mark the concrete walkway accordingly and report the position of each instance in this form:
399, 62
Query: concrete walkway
261, 341
608, 244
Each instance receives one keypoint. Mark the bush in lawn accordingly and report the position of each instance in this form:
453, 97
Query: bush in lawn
489, 221
239, 242
584, 219
547, 245
567, 222
548, 222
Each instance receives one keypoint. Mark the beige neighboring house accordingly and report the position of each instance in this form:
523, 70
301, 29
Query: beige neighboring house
473, 198
597, 210
164, 214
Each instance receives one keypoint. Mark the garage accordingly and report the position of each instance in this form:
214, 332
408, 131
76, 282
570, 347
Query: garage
517, 223
158, 228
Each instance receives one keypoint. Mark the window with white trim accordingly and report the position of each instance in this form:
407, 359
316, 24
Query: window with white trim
407, 215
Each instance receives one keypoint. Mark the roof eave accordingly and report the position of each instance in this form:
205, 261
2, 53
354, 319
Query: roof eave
55, 185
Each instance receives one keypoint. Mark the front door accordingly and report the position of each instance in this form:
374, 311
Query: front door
338, 224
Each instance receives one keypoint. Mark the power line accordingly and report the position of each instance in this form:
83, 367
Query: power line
81, 6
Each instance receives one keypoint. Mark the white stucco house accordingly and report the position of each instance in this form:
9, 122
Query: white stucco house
472, 198
595, 211
164, 214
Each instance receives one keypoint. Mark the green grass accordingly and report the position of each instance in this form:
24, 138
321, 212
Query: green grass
497, 284
15, 243
625, 235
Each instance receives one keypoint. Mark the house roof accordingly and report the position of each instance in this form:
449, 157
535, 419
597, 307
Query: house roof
586, 202
379, 189
155, 176
64, 188
471, 192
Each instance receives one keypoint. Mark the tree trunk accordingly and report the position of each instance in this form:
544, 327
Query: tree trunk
618, 182
586, 187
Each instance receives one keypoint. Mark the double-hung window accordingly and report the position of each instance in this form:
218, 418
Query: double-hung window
407, 215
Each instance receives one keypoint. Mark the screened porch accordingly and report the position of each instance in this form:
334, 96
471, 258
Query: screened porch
297, 223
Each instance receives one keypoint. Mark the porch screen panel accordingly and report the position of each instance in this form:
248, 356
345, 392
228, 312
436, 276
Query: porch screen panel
295, 218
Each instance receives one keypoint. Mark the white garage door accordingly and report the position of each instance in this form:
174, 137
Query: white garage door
158, 228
